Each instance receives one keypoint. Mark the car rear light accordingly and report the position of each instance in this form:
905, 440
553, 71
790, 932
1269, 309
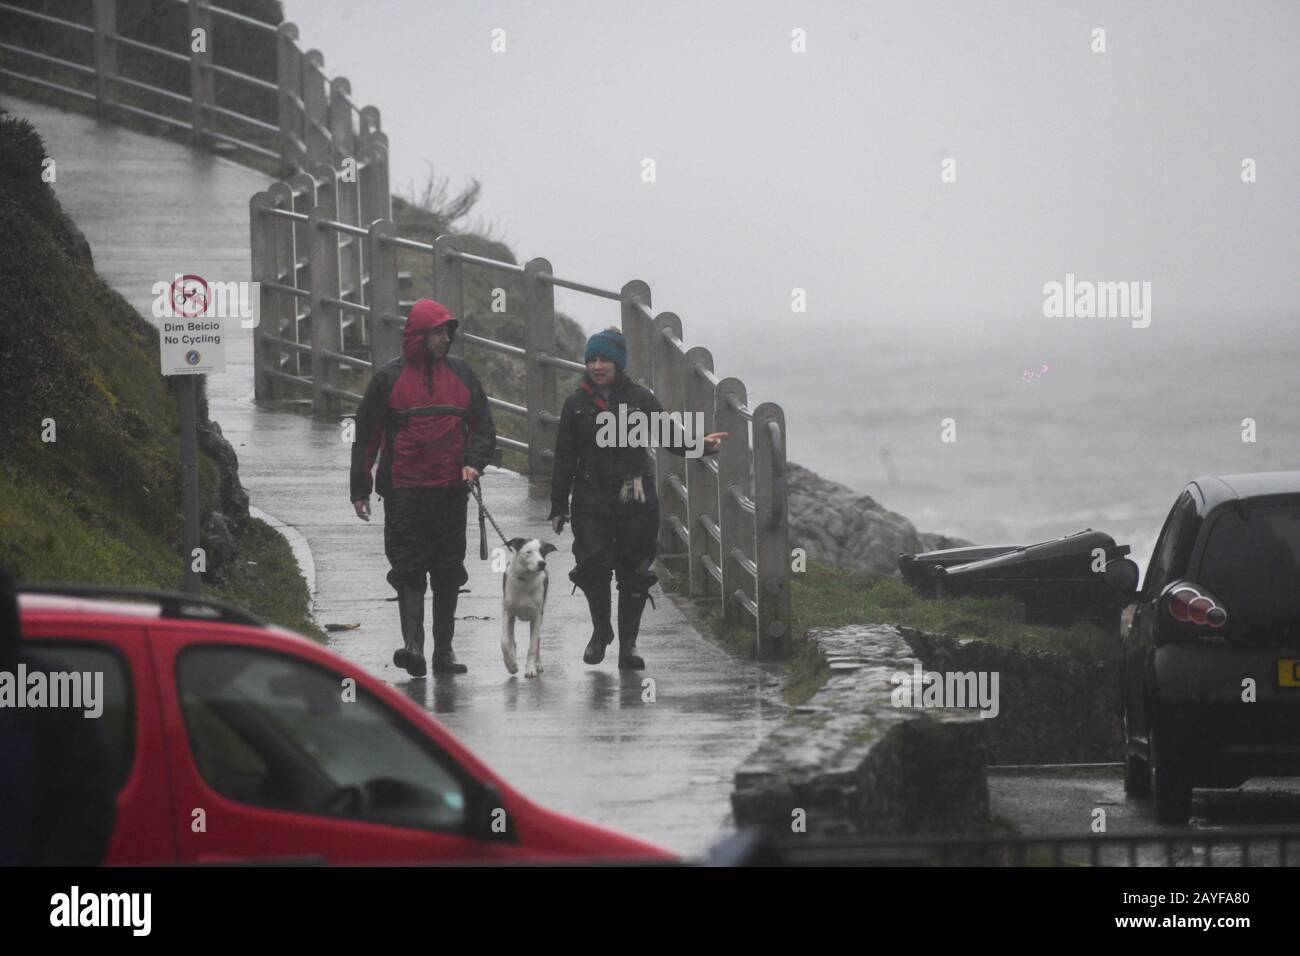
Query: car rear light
1190, 604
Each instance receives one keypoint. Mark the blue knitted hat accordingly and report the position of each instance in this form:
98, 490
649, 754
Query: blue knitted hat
608, 344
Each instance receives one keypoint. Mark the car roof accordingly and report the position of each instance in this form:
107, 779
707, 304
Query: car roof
130, 602
1223, 488
69, 604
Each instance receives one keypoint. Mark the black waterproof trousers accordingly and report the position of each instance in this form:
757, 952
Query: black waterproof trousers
622, 543
424, 535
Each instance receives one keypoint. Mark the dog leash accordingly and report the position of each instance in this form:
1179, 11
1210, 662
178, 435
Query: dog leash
482, 530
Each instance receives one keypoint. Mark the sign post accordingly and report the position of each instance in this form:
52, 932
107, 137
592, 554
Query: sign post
192, 343
189, 481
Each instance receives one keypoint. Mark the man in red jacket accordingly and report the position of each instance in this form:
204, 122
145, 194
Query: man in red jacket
426, 417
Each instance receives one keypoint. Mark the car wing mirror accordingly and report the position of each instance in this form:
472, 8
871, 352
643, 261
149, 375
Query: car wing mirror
1122, 575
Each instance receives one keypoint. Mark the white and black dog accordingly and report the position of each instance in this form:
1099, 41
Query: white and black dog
523, 597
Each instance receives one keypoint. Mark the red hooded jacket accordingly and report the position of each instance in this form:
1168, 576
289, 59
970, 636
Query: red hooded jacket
424, 419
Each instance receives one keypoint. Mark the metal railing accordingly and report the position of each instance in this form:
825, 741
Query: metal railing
315, 115
324, 249
1239, 846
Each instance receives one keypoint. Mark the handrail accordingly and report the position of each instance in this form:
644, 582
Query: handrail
148, 47
578, 286
640, 305
503, 347
231, 14
9, 7
344, 227
486, 263
68, 64
412, 244
567, 365
332, 296
283, 213
149, 87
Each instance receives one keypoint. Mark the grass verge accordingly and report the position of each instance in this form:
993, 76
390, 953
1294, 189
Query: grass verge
826, 597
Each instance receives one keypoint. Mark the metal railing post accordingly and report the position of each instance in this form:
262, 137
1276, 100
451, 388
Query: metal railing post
324, 317
201, 95
670, 471
316, 111
771, 533
448, 284
636, 329
342, 139
698, 395
288, 69
385, 334
105, 14
368, 119
539, 340
733, 472
303, 195
381, 198
262, 261
327, 200
284, 315
352, 260
372, 185
327, 193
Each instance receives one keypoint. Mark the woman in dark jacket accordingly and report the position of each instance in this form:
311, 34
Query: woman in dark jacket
615, 508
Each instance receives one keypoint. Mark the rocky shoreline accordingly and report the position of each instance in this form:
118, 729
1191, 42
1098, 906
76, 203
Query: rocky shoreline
837, 526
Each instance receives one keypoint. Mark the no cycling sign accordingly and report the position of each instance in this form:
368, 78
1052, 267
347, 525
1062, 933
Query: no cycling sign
191, 331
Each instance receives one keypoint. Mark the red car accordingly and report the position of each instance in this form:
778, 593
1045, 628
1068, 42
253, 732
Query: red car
234, 740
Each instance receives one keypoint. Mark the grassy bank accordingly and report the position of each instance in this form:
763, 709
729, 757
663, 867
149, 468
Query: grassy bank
89, 444
824, 596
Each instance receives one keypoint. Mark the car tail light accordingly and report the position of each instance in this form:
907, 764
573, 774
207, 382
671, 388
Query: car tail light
1192, 604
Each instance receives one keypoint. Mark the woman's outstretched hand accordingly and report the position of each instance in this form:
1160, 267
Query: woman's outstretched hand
713, 441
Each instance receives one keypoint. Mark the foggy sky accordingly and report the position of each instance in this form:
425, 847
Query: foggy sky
821, 170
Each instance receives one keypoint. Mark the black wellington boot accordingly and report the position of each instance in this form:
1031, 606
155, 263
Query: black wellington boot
630, 606
602, 634
445, 597
410, 608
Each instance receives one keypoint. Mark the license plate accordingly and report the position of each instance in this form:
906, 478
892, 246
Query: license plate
1288, 672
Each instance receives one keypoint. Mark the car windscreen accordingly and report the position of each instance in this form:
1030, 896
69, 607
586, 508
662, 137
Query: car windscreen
1251, 564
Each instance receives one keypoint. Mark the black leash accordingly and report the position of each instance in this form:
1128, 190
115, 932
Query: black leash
482, 529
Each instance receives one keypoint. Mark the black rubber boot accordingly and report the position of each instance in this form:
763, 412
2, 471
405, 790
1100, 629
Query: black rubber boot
630, 606
410, 608
445, 597
602, 633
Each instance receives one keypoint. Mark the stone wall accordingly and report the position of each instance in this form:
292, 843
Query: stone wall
856, 764
1052, 708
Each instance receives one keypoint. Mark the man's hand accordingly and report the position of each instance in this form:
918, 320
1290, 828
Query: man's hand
713, 441
469, 475
363, 509
557, 524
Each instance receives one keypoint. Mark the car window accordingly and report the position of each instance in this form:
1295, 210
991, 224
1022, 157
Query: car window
117, 719
1251, 564
274, 731
1172, 551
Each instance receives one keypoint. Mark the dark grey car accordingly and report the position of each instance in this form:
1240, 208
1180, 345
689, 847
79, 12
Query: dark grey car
1211, 662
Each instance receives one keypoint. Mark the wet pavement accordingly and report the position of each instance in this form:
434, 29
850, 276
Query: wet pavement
1063, 800
654, 759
